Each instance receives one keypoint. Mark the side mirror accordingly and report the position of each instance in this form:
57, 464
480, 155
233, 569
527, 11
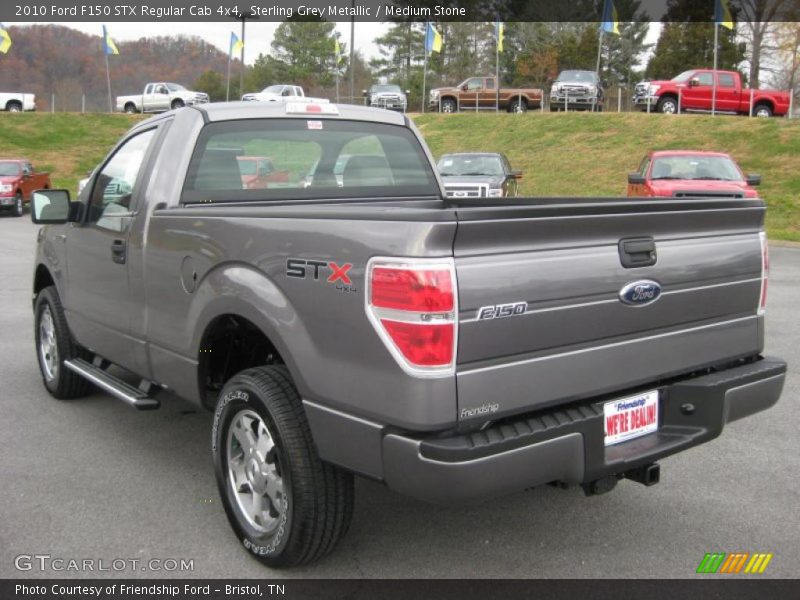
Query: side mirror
408, 92
694, 82
363, 92
516, 174
753, 179
636, 178
50, 207
465, 87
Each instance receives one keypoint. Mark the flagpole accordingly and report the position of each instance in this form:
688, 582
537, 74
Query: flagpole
714, 82
599, 50
108, 80
228, 80
425, 65
497, 69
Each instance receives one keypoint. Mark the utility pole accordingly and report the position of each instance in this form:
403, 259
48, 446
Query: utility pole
352, 52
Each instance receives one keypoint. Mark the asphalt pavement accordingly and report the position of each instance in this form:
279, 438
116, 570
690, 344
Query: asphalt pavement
92, 479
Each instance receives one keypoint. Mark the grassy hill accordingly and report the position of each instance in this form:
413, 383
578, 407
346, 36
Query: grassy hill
561, 154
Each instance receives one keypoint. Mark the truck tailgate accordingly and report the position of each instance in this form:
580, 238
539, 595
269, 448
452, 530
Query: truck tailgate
576, 338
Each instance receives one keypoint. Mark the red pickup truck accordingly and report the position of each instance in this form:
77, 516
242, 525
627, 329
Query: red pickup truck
692, 91
18, 180
690, 173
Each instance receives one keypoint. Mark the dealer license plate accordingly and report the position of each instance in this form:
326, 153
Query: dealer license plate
631, 417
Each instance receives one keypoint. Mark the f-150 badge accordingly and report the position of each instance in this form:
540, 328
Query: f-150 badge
499, 311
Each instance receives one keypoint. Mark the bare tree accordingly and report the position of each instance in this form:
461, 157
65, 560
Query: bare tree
758, 19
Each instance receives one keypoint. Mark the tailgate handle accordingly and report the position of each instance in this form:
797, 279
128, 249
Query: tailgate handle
637, 252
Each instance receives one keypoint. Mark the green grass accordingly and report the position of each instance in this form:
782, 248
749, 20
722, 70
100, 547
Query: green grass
590, 154
574, 154
68, 145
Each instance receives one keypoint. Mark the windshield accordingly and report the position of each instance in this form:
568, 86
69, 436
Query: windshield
379, 89
273, 89
175, 87
454, 165
587, 76
310, 159
683, 77
692, 167
9, 169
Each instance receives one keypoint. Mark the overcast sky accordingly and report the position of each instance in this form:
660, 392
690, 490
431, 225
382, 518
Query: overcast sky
258, 33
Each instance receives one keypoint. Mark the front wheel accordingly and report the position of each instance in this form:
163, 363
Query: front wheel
449, 106
667, 105
285, 505
178, 103
19, 206
54, 345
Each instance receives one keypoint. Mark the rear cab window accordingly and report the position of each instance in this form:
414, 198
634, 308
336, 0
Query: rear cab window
310, 159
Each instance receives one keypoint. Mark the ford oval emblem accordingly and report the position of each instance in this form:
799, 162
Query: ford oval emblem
639, 293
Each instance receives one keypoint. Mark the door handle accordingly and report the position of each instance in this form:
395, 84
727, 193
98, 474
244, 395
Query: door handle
637, 252
118, 248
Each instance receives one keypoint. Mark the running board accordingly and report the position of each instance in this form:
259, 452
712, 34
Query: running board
114, 386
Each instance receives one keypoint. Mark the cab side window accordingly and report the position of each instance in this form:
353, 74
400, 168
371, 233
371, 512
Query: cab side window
475, 83
114, 184
726, 80
705, 78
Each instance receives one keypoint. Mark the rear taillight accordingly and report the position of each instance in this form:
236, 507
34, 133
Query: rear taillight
762, 302
413, 305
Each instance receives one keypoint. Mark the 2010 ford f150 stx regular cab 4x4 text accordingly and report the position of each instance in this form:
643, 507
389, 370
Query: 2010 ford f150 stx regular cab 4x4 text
453, 349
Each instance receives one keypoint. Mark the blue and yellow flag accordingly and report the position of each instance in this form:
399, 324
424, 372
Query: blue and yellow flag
499, 34
109, 47
337, 50
236, 44
722, 14
610, 18
433, 40
5, 39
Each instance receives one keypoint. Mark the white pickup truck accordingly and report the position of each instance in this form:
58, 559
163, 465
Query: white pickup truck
160, 97
17, 102
282, 93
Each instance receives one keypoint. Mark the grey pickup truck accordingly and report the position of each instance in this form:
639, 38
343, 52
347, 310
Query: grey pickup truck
453, 349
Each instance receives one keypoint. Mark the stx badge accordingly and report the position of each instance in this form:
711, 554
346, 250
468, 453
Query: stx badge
332, 272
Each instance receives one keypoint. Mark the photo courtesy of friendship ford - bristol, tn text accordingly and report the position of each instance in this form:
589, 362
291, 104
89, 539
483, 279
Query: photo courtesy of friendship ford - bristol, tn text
400, 291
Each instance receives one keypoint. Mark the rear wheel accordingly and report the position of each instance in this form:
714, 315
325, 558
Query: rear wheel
518, 106
762, 110
177, 103
285, 505
130, 109
449, 106
54, 345
14, 106
19, 206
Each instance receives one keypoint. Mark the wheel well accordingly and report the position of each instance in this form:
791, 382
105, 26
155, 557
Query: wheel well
41, 279
231, 344
11, 103
669, 95
130, 105
764, 102
453, 98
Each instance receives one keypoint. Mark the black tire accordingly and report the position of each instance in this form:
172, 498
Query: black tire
177, 103
315, 504
449, 106
130, 109
518, 106
19, 205
762, 110
14, 106
61, 382
667, 105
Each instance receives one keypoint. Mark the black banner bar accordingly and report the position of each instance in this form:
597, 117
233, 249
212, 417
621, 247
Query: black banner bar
105, 11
